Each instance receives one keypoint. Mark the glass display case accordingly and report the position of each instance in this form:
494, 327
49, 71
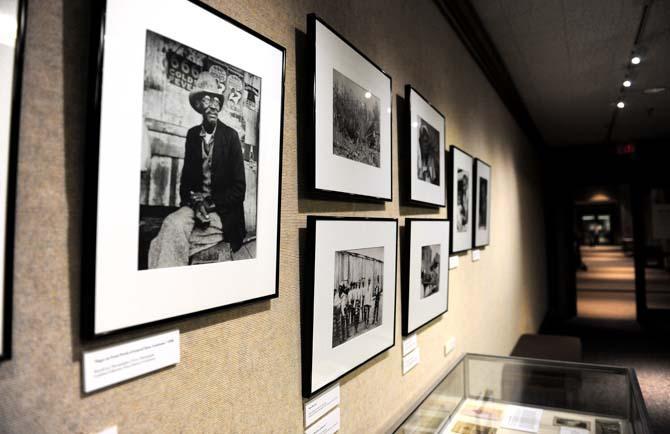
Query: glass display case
504, 395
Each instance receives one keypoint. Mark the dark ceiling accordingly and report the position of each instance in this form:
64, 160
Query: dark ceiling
568, 59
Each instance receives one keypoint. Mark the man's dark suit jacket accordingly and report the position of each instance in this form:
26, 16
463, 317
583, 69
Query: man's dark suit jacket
228, 181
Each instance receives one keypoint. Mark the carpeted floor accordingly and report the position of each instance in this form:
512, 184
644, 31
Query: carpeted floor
625, 343
610, 334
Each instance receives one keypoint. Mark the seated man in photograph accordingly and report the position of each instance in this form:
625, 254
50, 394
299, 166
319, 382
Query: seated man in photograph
212, 187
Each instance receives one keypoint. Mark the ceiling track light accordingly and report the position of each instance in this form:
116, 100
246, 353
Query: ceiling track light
627, 83
620, 104
635, 60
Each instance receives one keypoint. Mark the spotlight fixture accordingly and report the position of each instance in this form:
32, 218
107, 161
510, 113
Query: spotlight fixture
627, 83
620, 104
635, 60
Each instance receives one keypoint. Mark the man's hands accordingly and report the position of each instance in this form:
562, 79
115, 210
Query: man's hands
201, 206
201, 214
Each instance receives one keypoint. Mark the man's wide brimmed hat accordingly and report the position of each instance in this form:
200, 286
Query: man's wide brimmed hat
206, 85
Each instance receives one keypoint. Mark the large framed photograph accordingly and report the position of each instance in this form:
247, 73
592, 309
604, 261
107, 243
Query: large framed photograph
13, 14
348, 299
460, 199
185, 179
426, 154
425, 291
482, 196
351, 118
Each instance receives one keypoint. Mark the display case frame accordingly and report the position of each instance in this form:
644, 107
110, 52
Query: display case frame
636, 417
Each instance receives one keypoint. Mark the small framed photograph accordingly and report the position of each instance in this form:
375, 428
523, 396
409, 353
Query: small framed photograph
348, 303
12, 37
184, 181
351, 118
482, 195
460, 199
425, 292
426, 155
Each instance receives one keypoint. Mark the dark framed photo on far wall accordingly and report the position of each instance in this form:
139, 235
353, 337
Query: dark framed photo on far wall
426, 154
351, 125
183, 185
348, 299
482, 195
460, 199
425, 289
12, 37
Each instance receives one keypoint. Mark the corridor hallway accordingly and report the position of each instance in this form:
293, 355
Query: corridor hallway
610, 334
606, 290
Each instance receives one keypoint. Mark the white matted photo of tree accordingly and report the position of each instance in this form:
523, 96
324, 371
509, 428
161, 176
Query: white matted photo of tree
351, 123
425, 290
460, 199
348, 299
482, 196
189, 130
426, 155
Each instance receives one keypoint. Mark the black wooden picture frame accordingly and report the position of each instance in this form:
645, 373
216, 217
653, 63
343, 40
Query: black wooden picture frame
6, 302
312, 176
91, 193
452, 191
476, 205
406, 276
307, 302
410, 169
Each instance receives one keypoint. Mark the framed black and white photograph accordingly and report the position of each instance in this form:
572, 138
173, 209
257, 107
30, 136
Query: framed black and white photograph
425, 291
460, 199
351, 118
13, 14
186, 212
348, 299
426, 155
482, 196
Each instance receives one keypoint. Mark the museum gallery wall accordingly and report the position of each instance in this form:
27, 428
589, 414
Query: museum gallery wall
240, 368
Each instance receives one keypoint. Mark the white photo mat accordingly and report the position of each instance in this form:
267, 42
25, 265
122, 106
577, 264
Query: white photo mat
124, 296
482, 235
460, 240
421, 190
421, 310
328, 363
332, 172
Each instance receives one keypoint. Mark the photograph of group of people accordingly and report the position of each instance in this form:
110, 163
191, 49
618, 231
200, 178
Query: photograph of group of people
357, 294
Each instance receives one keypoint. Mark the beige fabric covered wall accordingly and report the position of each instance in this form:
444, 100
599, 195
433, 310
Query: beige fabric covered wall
240, 368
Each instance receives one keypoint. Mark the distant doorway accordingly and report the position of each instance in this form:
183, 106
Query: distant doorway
656, 251
605, 271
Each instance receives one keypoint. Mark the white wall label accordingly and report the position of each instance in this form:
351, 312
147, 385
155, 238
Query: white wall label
410, 361
453, 262
522, 418
476, 255
122, 362
568, 430
110, 430
450, 345
327, 425
322, 404
409, 344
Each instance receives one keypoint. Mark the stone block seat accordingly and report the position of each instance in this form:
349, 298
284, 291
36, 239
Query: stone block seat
150, 225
